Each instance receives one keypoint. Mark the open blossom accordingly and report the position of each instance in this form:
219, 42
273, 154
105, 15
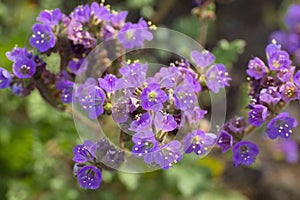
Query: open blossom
225, 141
164, 122
108, 83
281, 125
145, 145
81, 13
256, 68
202, 59
217, 77
133, 35
142, 123
43, 38
93, 101
5, 78
133, 75
50, 17
244, 152
185, 99
100, 12
199, 142
258, 115
89, 177
289, 92
168, 154
84, 153
269, 96
153, 97
297, 79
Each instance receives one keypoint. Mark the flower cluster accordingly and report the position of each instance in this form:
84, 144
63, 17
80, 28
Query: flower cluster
72, 37
90, 157
157, 107
290, 38
272, 86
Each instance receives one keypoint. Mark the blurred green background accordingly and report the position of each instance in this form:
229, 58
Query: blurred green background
36, 142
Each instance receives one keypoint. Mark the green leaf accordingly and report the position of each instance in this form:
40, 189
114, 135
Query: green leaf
227, 52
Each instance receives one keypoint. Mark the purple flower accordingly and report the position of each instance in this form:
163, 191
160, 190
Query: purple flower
279, 60
244, 152
191, 81
50, 17
118, 19
108, 83
25, 68
152, 97
256, 68
164, 122
195, 114
199, 142
100, 12
281, 125
185, 99
202, 59
133, 75
272, 49
297, 79
145, 145
114, 157
5, 78
89, 177
76, 65
269, 96
289, 92
43, 38
84, 153
258, 115
81, 13
17, 89
93, 101
236, 125
134, 35
225, 141
142, 123
168, 154
18, 54
122, 108
290, 149
292, 18
217, 77
66, 88
286, 75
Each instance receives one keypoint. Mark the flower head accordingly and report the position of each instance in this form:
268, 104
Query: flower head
164, 122
256, 68
217, 77
225, 141
244, 152
153, 97
89, 177
168, 154
145, 145
108, 83
142, 123
203, 59
289, 92
269, 96
25, 68
281, 125
43, 38
185, 99
199, 142
258, 115
81, 13
50, 17
84, 153
93, 101
5, 78
134, 35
